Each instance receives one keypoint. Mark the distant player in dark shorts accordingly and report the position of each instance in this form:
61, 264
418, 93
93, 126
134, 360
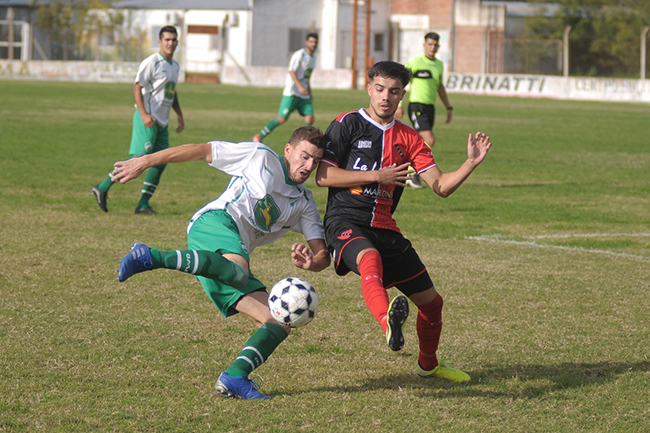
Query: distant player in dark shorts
426, 83
365, 167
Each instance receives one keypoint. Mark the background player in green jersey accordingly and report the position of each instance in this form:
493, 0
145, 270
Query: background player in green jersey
426, 82
297, 90
154, 93
264, 200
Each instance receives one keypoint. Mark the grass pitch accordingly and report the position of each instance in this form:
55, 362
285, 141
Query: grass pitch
543, 259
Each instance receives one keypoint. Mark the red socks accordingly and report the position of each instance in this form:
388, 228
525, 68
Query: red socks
429, 326
372, 286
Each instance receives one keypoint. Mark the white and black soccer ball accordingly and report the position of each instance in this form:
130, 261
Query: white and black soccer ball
293, 302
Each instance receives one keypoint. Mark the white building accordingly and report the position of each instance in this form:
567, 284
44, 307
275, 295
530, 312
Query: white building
250, 42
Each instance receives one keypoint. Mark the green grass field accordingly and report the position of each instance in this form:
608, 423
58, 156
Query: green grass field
542, 256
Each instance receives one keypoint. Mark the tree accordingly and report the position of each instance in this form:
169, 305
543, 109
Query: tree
69, 22
605, 34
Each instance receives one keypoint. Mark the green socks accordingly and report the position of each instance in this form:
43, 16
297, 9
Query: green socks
268, 128
106, 184
150, 184
204, 263
258, 348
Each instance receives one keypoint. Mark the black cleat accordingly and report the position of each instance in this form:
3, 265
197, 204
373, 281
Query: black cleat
398, 312
101, 197
145, 210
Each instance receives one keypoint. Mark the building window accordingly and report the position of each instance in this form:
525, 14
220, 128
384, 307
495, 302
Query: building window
379, 42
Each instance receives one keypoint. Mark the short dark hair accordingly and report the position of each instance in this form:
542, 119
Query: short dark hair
312, 35
389, 69
310, 134
432, 35
167, 29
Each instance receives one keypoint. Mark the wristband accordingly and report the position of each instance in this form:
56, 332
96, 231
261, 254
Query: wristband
450, 108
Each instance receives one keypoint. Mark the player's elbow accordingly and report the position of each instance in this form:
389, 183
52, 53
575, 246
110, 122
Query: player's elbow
321, 180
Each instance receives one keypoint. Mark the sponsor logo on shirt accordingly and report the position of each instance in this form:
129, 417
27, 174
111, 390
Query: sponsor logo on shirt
364, 144
357, 190
422, 74
266, 213
378, 193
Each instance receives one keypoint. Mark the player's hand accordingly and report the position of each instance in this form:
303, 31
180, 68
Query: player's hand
148, 120
394, 174
449, 115
181, 124
303, 90
301, 256
130, 169
399, 112
478, 147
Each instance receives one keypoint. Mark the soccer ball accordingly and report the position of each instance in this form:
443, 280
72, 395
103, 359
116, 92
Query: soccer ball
293, 302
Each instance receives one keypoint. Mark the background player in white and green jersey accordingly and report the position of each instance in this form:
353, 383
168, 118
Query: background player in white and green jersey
426, 82
155, 94
265, 199
297, 90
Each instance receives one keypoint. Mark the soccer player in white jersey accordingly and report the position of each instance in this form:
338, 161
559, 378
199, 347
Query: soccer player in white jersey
265, 199
155, 94
297, 90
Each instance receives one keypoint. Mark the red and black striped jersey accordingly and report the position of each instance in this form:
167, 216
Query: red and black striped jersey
356, 142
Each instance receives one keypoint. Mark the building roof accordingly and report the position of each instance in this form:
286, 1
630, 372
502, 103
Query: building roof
523, 8
186, 4
152, 4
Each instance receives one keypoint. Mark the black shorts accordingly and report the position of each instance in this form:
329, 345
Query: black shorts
402, 265
422, 116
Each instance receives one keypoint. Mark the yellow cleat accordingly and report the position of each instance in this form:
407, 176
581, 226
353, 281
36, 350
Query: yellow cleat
444, 372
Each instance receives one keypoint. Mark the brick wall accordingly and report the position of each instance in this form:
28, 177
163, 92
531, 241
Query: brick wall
439, 11
469, 49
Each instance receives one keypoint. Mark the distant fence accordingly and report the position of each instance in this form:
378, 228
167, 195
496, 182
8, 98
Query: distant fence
529, 86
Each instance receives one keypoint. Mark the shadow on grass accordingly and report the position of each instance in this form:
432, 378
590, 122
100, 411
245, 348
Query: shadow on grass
517, 381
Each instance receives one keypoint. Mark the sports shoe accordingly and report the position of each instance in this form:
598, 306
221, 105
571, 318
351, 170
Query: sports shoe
239, 387
101, 197
256, 138
414, 182
145, 210
398, 312
138, 260
444, 372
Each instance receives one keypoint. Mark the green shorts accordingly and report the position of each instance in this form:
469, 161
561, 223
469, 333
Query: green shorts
290, 104
147, 140
216, 231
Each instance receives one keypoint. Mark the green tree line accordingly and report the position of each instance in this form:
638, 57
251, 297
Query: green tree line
605, 36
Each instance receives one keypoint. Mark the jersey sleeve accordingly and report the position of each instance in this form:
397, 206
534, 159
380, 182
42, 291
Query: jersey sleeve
294, 63
311, 226
233, 158
336, 141
145, 72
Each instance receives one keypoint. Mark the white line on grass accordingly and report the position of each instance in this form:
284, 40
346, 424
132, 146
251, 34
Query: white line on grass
501, 239
588, 235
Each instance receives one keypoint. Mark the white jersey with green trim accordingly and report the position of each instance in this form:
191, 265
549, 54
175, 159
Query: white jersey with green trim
261, 199
303, 64
158, 77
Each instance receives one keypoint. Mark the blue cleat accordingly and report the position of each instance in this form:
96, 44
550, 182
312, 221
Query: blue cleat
138, 260
398, 312
239, 387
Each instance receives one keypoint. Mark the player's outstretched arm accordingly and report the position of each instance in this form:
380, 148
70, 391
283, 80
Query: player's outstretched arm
444, 184
132, 168
331, 176
303, 258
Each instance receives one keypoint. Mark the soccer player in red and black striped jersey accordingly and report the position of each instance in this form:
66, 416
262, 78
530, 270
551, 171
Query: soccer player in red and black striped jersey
365, 167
